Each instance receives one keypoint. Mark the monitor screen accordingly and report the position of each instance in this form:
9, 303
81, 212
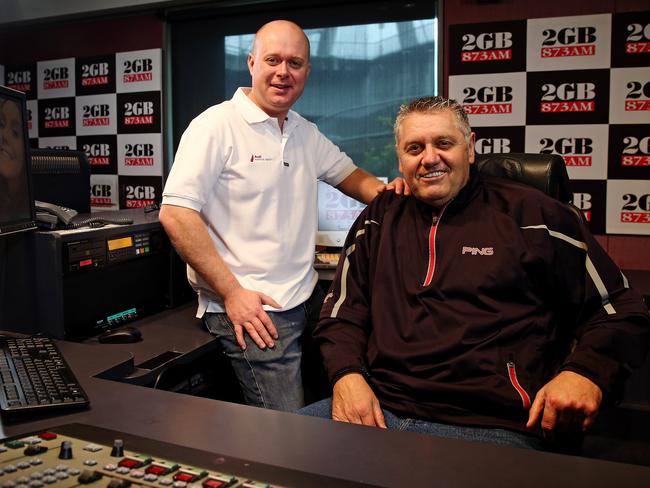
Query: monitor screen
336, 214
16, 202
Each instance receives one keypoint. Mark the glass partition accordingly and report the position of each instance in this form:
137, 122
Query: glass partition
360, 75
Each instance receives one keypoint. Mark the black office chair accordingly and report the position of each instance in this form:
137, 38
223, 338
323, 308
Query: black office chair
62, 177
546, 172
620, 433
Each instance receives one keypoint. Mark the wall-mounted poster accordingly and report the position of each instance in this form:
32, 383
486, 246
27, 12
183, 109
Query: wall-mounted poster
491, 100
576, 86
109, 106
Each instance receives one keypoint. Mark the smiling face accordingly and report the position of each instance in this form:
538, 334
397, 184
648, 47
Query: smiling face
279, 66
12, 150
434, 155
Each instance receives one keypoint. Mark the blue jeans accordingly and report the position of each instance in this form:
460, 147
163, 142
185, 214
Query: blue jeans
502, 437
270, 377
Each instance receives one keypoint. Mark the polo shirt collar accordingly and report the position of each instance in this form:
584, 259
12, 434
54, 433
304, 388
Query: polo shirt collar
252, 113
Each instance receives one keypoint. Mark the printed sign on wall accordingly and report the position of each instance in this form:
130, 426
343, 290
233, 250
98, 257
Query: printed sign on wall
101, 152
630, 96
563, 43
32, 118
138, 113
139, 71
56, 117
493, 140
568, 97
96, 75
139, 154
583, 83
22, 78
583, 147
104, 193
628, 206
491, 100
631, 40
139, 191
69, 142
55, 78
108, 106
629, 152
589, 197
96, 114
499, 48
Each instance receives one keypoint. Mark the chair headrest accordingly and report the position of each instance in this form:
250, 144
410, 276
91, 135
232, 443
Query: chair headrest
546, 172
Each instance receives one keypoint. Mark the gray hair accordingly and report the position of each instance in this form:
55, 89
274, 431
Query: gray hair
434, 105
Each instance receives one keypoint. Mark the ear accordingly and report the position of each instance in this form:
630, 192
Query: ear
472, 139
250, 61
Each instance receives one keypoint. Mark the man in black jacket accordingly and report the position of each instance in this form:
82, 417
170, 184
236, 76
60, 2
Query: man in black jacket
478, 307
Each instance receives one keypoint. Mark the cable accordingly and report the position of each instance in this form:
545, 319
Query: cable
96, 222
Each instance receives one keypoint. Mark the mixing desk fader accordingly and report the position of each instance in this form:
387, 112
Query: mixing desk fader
74, 455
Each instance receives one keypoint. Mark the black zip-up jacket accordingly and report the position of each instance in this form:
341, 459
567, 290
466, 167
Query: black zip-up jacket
462, 316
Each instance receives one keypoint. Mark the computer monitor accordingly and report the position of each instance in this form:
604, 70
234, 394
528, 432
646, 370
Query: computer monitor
16, 202
336, 214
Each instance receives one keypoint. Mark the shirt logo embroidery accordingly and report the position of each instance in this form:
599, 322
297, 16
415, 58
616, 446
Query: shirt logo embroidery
258, 158
327, 297
481, 251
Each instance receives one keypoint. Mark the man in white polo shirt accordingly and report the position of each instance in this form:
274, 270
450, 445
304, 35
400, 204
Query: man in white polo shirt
240, 208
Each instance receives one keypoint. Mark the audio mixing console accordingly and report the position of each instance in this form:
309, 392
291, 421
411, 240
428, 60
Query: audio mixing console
76, 454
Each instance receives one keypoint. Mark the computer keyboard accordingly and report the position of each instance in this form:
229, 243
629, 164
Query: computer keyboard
34, 377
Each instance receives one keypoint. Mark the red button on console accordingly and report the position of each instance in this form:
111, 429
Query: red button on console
186, 477
157, 470
130, 463
47, 436
212, 483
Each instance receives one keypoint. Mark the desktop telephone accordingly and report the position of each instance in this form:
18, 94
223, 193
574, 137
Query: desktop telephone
50, 216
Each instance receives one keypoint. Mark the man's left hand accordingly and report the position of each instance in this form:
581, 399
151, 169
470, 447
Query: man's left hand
569, 402
399, 185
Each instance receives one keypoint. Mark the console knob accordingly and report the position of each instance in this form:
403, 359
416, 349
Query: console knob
66, 450
87, 477
118, 448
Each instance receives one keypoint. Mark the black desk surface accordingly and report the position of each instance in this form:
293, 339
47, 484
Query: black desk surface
356, 453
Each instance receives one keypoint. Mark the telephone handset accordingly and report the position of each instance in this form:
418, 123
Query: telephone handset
51, 215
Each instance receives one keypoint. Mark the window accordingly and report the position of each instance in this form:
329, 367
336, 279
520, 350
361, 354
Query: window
368, 57
360, 75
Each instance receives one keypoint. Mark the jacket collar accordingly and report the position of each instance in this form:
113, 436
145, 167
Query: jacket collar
467, 192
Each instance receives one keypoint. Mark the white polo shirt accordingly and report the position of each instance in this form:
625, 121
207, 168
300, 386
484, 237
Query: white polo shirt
255, 187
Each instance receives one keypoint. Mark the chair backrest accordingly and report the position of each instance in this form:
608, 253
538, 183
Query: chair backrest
62, 177
546, 172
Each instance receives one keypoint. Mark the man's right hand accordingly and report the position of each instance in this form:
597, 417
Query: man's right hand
244, 309
353, 401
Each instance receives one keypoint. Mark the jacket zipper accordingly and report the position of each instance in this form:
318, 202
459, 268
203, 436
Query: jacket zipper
435, 221
512, 374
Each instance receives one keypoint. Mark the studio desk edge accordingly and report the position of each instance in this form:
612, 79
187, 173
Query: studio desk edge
286, 440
